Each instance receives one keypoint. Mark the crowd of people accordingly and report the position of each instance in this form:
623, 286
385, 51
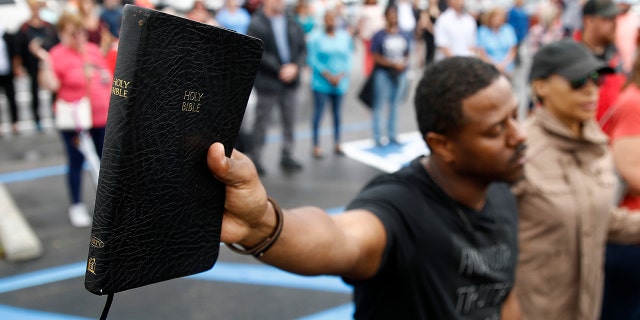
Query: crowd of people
533, 220
444, 237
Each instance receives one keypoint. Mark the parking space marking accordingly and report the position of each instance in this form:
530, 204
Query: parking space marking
44, 172
342, 312
32, 174
389, 158
42, 277
252, 274
270, 276
13, 313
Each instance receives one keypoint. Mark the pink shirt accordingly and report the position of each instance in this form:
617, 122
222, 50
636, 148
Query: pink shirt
68, 65
626, 34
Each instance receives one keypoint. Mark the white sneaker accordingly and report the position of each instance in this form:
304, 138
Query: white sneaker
79, 216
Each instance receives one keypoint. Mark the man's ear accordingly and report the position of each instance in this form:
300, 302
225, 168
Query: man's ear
539, 88
441, 146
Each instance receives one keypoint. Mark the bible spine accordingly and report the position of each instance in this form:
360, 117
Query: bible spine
122, 95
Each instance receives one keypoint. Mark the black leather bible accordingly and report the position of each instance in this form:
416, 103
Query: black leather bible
179, 86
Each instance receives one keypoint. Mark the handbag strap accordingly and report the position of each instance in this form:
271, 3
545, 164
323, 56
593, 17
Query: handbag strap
74, 113
607, 116
87, 68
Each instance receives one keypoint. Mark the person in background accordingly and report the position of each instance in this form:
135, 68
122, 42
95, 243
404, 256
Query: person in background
565, 200
97, 30
278, 78
7, 43
304, 17
598, 35
455, 32
318, 8
519, 20
24, 62
425, 31
497, 42
200, 13
344, 17
330, 55
252, 5
622, 124
370, 21
111, 15
74, 69
435, 240
406, 17
143, 3
627, 32
390, 49
234, 17
571, 15
548, 29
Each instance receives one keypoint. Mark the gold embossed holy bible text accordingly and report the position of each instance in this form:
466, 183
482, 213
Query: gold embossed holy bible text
179, 86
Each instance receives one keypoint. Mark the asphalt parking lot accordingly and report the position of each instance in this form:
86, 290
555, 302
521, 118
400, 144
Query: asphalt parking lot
32, 169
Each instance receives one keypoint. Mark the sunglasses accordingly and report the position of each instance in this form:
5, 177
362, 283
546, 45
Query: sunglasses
594, 76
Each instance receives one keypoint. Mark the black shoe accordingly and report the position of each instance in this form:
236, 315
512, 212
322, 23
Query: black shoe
287, 163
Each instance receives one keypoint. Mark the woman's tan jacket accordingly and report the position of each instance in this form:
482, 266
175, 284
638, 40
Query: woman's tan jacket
566, 218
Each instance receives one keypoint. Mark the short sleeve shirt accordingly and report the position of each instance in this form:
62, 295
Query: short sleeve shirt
442, 260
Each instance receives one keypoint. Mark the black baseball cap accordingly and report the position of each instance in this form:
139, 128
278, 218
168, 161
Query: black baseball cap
602, 8
566, 58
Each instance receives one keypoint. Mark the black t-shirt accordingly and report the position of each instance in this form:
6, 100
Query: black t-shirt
47, 33
443, 260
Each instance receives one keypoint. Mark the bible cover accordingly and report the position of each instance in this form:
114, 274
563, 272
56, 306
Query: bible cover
178, 87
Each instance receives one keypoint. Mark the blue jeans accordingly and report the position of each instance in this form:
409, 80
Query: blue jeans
320, 100
387, 89
76, 159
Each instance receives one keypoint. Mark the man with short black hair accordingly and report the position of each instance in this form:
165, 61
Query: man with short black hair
435, 240
598, 35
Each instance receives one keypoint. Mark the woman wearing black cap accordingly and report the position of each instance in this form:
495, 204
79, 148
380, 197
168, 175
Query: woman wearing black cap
566, 197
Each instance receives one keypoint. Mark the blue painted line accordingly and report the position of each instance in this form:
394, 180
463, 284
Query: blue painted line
222, 272
271, 276
335, 210
26, 175
12, 313
342, 312
42, 277
39, 173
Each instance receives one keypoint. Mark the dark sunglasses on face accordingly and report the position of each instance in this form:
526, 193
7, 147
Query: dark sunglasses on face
594, 76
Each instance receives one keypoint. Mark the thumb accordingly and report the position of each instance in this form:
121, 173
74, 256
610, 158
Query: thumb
231, 171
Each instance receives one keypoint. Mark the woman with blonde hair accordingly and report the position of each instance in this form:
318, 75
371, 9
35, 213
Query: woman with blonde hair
497, 41
75, 69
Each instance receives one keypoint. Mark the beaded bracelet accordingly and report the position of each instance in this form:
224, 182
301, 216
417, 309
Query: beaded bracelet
260, 249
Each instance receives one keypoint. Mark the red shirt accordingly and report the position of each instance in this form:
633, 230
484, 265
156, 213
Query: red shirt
624, 121
612, 84
68, 65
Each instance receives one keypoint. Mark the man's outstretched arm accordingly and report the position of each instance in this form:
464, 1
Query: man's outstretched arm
312, 242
